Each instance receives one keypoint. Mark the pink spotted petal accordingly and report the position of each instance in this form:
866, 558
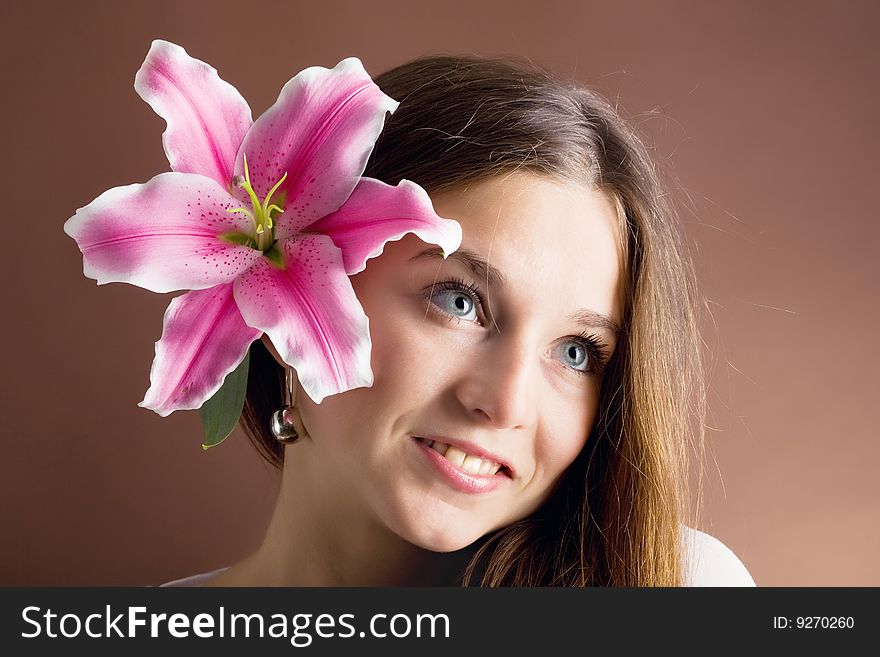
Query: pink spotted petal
311, 314
162, 235
377, 213
203, 339
320, 132
207, 118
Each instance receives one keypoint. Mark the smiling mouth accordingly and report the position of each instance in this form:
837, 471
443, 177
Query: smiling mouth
468, 463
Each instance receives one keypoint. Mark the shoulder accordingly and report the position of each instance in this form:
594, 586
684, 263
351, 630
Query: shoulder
194, 580
708, 562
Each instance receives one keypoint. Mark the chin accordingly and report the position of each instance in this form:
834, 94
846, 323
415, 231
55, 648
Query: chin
443, 542
437, 531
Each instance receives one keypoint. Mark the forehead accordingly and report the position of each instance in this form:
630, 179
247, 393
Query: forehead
554, 240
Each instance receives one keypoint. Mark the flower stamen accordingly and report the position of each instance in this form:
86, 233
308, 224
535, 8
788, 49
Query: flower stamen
262, 213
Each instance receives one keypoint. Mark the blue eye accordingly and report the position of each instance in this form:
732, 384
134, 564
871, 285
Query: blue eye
576, 356
456, 303
582, 355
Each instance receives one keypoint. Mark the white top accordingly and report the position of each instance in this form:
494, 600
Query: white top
707, 562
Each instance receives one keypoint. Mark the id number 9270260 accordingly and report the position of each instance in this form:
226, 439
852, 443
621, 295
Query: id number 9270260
814, 623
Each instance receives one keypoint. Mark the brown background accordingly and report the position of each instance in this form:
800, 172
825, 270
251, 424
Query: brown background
765, 115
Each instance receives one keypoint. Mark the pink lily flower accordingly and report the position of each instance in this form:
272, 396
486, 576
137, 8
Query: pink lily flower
262, 221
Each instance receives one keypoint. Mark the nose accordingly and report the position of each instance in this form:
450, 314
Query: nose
499, 385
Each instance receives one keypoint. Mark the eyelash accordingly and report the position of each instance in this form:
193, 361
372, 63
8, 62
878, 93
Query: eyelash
596, 349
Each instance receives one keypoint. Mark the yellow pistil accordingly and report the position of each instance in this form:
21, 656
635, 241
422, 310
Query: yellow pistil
261, 214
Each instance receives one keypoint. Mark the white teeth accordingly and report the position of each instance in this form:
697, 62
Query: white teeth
440, 447
468, 463
455, 456
472, 464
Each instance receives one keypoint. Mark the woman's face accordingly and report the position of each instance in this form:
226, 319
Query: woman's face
501, 363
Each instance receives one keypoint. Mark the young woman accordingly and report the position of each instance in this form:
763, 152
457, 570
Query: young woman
536, 394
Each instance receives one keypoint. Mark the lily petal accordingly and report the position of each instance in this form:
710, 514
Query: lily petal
162, 235
207, 117
311, 314
320, 132
377, 213
203, 339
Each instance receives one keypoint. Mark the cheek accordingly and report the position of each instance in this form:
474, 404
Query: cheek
409, 358
564, 437
406, 365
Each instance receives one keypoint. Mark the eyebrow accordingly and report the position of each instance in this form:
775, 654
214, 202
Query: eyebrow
483, 270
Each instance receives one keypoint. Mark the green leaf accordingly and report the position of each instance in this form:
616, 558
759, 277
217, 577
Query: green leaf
221, 412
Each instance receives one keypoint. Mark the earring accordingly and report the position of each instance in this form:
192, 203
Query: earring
282, 419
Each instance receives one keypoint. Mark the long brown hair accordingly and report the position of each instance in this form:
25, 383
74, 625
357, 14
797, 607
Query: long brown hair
615, 518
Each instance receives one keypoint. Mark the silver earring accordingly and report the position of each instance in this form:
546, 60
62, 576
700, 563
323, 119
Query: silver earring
282, 420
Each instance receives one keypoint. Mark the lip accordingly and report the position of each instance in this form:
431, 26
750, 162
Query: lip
474, 450
456, 477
